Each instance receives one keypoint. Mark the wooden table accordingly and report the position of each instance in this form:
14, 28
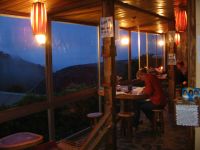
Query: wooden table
124, 97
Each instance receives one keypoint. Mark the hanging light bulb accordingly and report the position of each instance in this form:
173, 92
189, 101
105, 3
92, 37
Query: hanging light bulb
124, 40
161, 42
177, 38
39, 21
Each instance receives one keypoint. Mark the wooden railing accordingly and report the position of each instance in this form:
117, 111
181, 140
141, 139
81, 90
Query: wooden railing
59, 101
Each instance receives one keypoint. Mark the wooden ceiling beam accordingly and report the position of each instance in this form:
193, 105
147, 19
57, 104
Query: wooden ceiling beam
14, 13
74, 21
134, 28
122, 4
83, 4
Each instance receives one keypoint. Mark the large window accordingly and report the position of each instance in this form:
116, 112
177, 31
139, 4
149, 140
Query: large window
143, 61
122, 56
134, 52
75, 57
22, 75
21, 63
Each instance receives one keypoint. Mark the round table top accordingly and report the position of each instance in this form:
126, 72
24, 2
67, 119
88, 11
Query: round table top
94, 115
20, 139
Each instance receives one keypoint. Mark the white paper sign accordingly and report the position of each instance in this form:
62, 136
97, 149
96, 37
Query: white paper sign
171, 59
106, 26
187, 115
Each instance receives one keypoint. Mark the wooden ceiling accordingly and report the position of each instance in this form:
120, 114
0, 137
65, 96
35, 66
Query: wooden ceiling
145, 15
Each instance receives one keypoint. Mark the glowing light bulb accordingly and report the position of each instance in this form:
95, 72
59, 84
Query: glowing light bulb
161, 67
40, 38
125, 41
161, 43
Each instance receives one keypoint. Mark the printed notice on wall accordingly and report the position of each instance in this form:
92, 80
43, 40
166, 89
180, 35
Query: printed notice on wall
106, 26
171, 59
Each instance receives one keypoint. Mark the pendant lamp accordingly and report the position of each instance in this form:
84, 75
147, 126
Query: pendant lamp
39, 21
181, 20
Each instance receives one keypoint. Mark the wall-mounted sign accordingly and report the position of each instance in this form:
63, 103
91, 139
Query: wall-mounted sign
106, 27
171, 59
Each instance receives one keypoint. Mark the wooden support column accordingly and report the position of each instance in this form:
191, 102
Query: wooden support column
129, 57
49, 80
191, 51
171, 72
109, 53
191, 34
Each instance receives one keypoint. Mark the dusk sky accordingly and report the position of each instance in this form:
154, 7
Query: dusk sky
72, 43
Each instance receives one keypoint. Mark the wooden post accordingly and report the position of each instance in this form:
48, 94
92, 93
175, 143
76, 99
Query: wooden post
129, 58
171, 73
109, 53
139, 65
191, 43
191, 51
49, 80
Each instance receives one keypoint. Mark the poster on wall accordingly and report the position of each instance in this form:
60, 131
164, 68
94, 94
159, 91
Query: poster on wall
171, 59
106, 27
190, 94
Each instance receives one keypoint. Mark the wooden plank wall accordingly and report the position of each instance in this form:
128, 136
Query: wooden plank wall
191, 45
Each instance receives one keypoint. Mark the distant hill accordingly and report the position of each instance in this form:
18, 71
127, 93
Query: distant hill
82, 74
18, 75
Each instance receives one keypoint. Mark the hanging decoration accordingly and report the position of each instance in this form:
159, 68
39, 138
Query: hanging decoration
180, 20
177, 38
39, 21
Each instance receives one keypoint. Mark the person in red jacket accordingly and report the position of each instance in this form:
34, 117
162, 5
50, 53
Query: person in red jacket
156, 98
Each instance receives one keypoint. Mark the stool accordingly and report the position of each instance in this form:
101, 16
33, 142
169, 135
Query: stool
158, 121
94, 117
20, 140
126, 123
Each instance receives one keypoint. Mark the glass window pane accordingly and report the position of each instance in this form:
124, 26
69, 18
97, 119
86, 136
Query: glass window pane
134, 52
122, 56
152, 47
74, 57
22, 63
142, 49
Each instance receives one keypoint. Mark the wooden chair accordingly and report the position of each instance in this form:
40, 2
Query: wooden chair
126, 123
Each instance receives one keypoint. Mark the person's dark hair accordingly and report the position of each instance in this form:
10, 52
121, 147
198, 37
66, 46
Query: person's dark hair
143, 70
191, 91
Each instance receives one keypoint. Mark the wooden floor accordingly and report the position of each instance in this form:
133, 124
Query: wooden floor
174, 138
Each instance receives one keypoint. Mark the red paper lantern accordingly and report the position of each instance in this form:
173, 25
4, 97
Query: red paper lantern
38, 18
181, 20
177, 38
